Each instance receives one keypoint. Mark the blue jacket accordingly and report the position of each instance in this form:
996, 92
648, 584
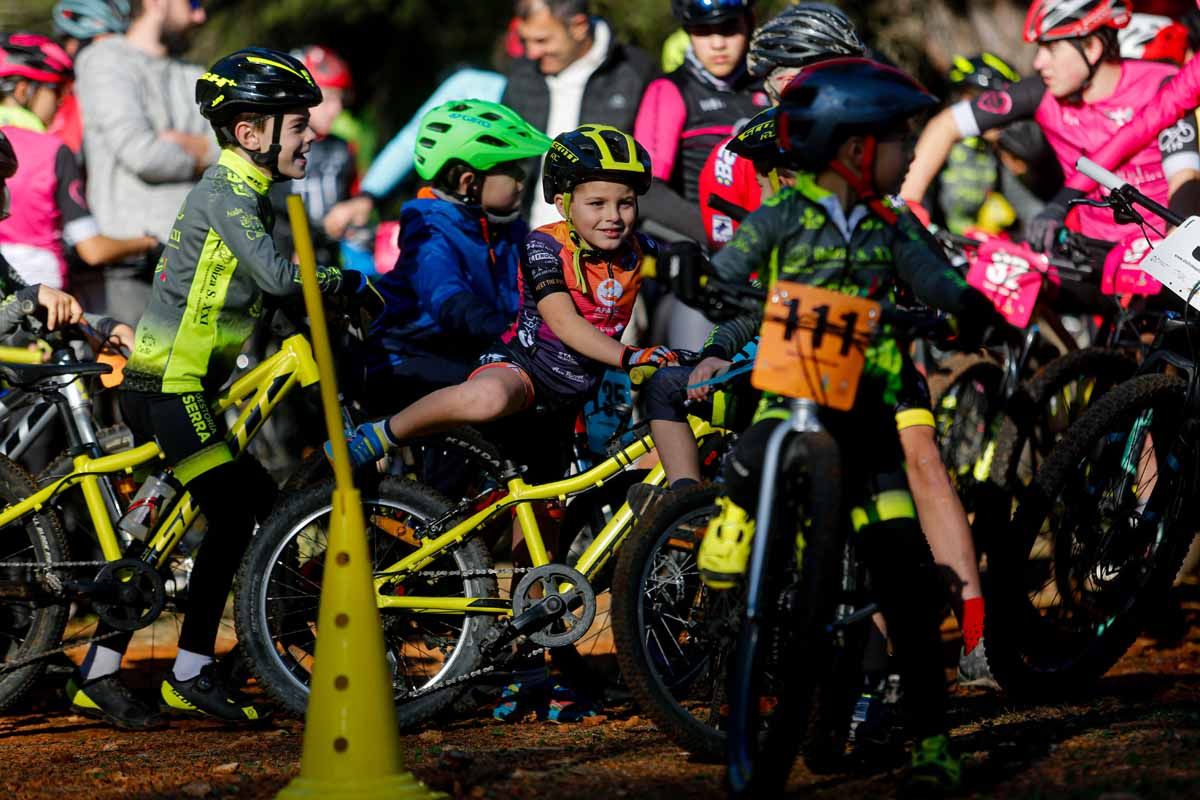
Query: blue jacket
451, 293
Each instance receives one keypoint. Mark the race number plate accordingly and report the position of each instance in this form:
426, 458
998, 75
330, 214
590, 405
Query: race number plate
1010, 275
1175, 261
813, 344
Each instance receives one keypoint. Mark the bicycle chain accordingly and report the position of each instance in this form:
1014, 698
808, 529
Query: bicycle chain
412, 695
49, 565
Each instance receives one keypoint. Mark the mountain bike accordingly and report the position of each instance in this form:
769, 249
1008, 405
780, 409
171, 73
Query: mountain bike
446, 623
1100, 534
999, 412
128, 588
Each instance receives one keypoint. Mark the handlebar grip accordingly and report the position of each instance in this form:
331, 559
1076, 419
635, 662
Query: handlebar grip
1099, 174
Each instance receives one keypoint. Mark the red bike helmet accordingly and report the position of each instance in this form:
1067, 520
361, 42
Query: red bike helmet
33, 57
328, 69
8, 158
1050, 20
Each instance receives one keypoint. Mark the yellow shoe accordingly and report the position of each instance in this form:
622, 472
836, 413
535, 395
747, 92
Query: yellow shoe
725, 549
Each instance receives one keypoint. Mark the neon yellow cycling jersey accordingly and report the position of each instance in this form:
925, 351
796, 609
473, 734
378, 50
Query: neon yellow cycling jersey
209, 283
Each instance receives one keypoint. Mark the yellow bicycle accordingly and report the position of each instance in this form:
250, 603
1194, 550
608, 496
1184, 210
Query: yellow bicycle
38, 581
445, 620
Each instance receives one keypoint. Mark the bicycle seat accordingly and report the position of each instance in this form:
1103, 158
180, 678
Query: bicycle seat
31, 374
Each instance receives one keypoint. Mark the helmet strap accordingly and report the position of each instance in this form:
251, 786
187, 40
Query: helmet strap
1078, 43
863, 181
270, 159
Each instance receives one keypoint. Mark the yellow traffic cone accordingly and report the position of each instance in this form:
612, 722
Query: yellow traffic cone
351, 741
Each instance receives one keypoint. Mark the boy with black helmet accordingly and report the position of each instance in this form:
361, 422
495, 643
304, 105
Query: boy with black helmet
454, 289
207, 297
842, 126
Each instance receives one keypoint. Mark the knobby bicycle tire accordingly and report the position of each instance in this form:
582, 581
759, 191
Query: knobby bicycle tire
26, 628
654, 569
1035, 654
961, 441
281, 659
1109, 368
793, 637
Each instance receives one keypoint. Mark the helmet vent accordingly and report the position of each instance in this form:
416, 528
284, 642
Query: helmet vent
438, 127
491, 140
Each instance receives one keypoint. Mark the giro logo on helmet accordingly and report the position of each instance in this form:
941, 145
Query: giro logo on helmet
483, 123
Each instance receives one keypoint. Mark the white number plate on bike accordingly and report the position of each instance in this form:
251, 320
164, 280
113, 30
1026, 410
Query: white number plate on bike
1175, 261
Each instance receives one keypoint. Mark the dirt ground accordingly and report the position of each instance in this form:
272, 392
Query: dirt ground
1136, 736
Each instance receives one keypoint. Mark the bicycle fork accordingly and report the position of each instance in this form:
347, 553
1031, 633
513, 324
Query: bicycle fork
742, 737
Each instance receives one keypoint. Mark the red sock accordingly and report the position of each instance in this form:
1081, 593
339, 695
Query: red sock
971, 623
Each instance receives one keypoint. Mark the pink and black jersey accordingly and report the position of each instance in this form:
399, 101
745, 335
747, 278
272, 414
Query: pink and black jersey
1082, 129
49, 211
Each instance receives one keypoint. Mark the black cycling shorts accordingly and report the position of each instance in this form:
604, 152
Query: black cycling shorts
191, 438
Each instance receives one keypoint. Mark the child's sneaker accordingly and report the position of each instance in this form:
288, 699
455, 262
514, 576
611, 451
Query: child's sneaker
973, 669
935, 771
368, 444
725, 549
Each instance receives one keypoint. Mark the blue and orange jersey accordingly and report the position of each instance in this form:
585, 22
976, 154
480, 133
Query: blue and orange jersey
603, 286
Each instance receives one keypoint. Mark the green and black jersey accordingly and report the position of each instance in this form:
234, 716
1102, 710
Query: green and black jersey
209, 283
795, 237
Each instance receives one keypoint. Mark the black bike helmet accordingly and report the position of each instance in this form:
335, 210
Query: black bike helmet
595, 153
985, 71
709, 12
844, 97
8, 158
255, 81
800, 35
758, 141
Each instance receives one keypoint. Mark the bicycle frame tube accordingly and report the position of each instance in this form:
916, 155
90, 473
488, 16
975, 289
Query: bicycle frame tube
257, 392
521, 494
264, 386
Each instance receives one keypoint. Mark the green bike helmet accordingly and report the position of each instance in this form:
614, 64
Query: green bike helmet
478, 133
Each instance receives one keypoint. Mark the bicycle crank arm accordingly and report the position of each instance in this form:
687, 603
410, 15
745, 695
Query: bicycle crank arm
535, 618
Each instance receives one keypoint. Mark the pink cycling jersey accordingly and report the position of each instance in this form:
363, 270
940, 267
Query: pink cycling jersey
1075, 130
48, 207
1167, 116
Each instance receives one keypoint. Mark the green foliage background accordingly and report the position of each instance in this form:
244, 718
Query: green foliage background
401, 49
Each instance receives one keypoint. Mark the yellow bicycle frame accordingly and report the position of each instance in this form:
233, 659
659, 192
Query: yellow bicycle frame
521, 495
257, 393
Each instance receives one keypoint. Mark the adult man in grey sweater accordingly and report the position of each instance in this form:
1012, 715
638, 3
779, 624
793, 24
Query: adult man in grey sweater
145, 143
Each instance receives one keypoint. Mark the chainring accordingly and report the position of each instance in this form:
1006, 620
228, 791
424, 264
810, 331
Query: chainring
579, 598
142, 594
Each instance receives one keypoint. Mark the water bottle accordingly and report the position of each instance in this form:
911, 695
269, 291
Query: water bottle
148, 504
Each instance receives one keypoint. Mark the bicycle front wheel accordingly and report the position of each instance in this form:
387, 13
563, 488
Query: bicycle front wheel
1095, 543
779, 659
278, 593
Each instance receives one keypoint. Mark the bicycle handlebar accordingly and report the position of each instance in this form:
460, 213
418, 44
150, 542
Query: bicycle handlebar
1124, 193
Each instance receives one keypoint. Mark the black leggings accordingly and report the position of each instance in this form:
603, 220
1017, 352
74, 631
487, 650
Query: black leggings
231, 494
891, 546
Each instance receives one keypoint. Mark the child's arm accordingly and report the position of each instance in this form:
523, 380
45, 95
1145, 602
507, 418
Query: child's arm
440, 280
241, 229
576, 332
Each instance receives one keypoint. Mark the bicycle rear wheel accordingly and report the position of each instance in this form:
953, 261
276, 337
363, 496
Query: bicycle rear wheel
778, 660
1095, 543
278, 592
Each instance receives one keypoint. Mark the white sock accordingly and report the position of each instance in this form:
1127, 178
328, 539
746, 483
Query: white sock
99, 662
189, 664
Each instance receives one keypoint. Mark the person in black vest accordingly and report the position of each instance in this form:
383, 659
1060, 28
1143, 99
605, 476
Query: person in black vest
574, 71
685, 114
